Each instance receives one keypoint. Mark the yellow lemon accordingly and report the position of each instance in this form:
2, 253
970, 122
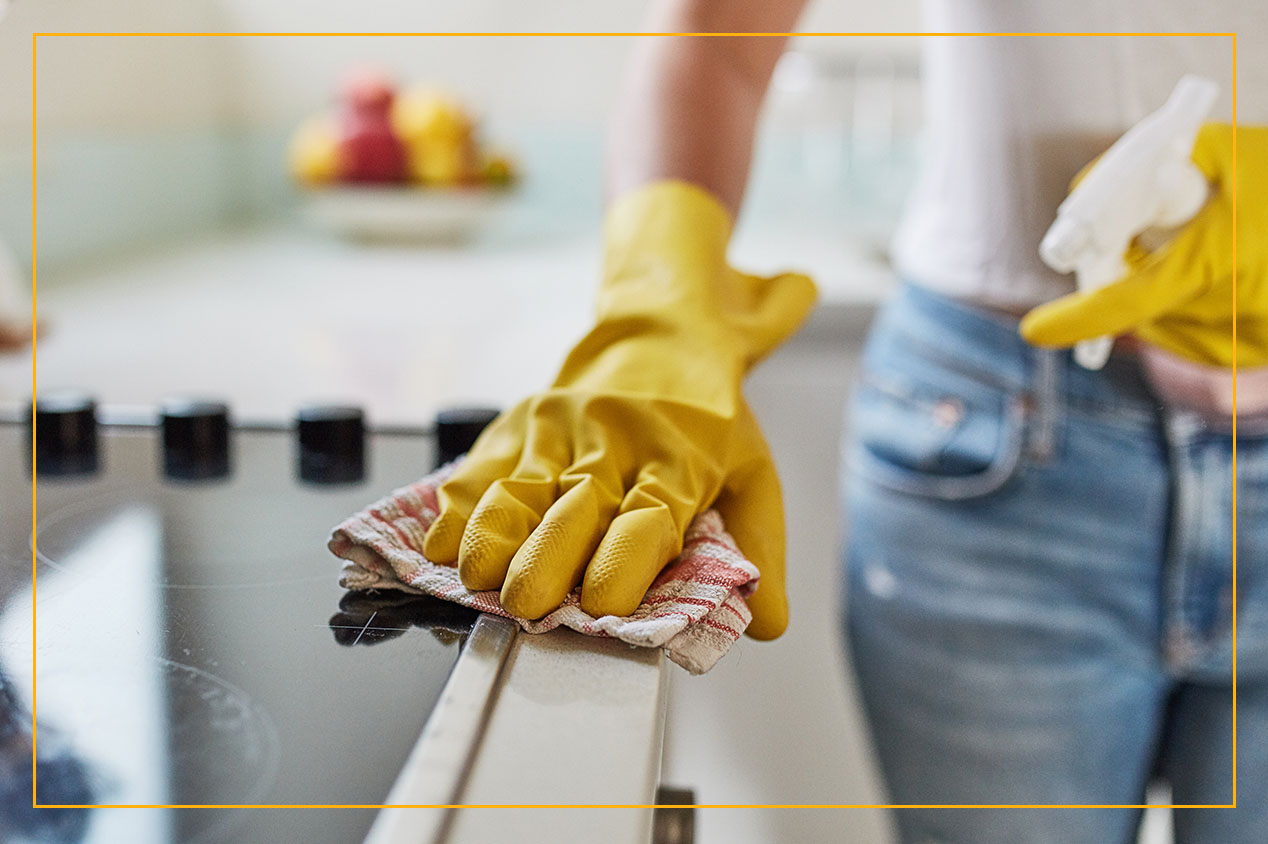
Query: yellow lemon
313, 155
424, 114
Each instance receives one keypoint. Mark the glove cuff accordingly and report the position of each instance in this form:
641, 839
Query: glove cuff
667, 211
656, 237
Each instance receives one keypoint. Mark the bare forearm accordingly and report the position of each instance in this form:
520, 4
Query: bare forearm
690, 104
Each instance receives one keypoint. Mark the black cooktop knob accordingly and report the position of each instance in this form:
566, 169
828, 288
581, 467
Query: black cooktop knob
331, 444
65, 429
457, 429
195, 439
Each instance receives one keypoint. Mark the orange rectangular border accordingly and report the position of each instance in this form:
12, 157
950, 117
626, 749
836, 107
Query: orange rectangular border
35, 36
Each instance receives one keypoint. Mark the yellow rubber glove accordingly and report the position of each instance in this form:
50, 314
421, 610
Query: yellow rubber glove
1180, 298
595, 480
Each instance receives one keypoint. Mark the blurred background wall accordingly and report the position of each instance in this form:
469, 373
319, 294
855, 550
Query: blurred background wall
123, 120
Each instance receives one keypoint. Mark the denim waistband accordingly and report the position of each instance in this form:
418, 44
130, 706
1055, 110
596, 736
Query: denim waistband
987, 345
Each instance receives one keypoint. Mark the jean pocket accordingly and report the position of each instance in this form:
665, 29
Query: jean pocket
954, 440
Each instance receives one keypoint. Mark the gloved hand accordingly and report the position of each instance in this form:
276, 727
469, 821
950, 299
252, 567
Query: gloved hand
1180, 298
595, 480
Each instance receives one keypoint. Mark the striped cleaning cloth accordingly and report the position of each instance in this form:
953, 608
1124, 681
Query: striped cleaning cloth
695, 608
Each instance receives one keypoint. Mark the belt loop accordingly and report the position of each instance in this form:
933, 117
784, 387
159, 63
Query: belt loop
1045, 404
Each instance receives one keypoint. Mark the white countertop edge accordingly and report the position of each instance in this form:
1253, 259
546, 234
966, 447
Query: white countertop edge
572, 721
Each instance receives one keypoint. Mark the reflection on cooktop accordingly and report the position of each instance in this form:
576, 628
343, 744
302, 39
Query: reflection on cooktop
214, 539
63, 779
367, 618
214, 744
185, 646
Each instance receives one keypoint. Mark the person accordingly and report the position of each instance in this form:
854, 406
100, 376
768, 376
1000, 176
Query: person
1039, 571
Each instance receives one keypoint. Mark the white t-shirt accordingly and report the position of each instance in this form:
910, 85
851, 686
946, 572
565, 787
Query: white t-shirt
1009, 121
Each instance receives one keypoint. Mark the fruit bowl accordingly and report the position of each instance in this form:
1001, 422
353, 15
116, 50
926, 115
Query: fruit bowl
391, 213
397, 165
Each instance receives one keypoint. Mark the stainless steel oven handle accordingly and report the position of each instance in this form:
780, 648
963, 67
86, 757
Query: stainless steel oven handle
438, 766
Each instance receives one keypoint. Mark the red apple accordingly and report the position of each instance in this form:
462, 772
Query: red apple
369, 149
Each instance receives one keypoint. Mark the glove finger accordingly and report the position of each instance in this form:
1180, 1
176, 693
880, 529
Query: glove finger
512, 507
494, 455
646, 535
752, 509
1164, 281
551, 561
1213, 151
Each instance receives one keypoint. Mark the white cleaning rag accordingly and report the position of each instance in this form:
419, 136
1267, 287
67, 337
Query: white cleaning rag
695, 609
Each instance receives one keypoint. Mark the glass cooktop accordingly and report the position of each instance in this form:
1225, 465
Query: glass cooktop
195, 648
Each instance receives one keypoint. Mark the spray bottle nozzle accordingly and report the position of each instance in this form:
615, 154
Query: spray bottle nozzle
1145, 179
1065, 244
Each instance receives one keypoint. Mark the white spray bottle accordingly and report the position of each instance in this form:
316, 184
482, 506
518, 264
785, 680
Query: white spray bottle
1146, 180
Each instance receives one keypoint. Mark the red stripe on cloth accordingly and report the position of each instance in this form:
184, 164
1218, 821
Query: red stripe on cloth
404, 540
718, 625
653, 600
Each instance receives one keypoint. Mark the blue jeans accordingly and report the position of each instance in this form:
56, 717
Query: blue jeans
1040, 589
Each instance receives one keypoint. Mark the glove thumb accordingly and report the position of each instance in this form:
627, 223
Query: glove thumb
752, 509
775, 308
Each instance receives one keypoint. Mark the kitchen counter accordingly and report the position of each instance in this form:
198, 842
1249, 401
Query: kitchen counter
275, 317
578, 721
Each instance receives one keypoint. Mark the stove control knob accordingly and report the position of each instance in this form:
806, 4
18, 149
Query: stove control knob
195, 439
331, 444
457, 429
65, 429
